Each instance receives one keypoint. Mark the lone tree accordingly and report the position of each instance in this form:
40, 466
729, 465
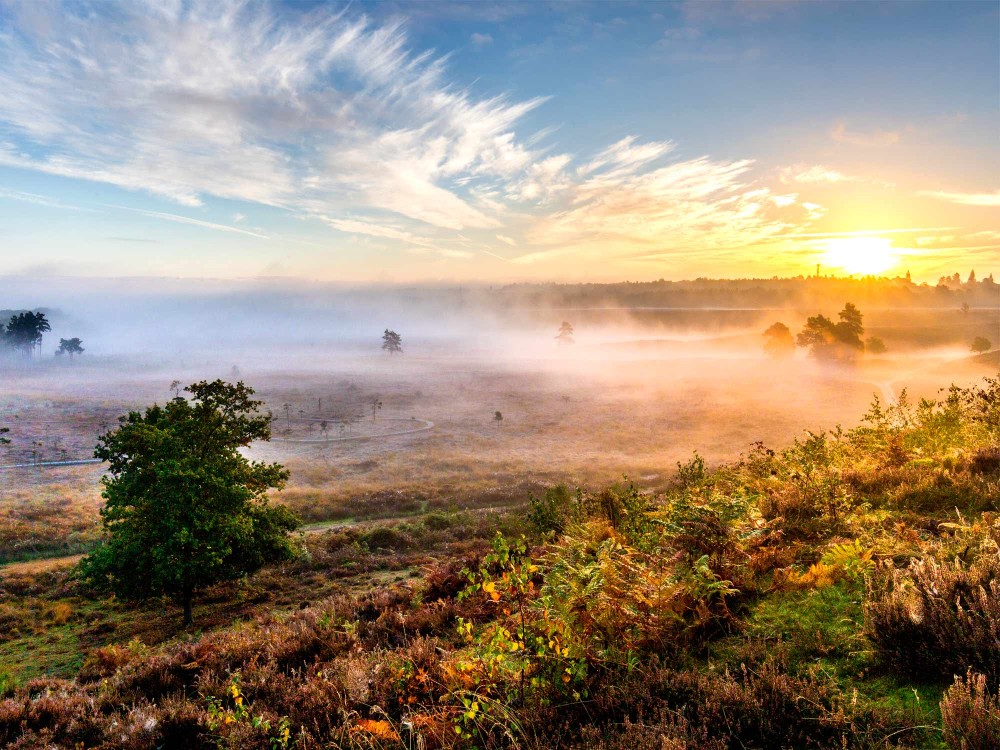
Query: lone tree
827, 340
184, 508
565, 335
69, 346
24, 332
778, 341
498, 418
981, 344
392, 342
875, 345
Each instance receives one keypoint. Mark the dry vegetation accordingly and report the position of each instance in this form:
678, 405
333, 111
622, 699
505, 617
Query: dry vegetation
455, 589
824, 595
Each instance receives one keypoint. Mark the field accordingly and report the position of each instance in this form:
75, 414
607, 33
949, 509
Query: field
403, 475
624, 401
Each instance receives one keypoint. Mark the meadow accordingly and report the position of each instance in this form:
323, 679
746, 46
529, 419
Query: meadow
650, 549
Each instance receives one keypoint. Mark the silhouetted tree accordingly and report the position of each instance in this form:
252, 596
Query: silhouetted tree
981, 344
175, 386
69, 346
498, 418
827, 340
24, 331
778, 341
392, 342
565, 335
875, 345
376, 406
184, 508
3, 440
965, 308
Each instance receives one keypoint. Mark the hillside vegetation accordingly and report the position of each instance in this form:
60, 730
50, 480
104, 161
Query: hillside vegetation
842, 592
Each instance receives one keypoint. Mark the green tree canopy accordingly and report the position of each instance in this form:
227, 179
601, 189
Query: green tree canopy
184, 508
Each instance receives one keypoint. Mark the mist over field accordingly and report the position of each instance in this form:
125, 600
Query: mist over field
499, 375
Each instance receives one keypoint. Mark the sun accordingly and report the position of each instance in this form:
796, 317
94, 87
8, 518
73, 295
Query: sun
860, 255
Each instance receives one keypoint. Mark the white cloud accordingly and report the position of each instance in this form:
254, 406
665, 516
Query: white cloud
815, 174
481, 40
38, 200
178, 219
333, 117
872, 138
627, 155
229, 99
965, 199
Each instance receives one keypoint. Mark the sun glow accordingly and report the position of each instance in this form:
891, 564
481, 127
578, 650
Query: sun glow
861, 255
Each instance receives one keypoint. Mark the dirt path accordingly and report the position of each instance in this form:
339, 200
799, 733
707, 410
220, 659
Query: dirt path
424, 426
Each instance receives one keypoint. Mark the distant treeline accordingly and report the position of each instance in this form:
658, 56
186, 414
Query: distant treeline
802, 292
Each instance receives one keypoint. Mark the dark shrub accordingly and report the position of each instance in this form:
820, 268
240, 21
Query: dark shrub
939, 619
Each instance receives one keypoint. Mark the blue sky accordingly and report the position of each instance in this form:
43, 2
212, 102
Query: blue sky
497, 141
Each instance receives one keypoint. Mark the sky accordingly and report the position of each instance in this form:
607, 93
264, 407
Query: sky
482, 142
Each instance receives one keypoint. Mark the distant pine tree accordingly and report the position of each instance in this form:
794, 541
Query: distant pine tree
392, 342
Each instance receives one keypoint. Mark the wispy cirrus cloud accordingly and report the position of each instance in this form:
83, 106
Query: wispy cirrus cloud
38, 200
179, 219
965, 199
227, 99
816, 174
335, 118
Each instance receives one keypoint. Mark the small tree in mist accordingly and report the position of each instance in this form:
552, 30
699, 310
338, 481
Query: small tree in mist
376, 407
565, 335
778, 341
827, 340
184, 508
4, 440
69, 346
981, 344
498, 418
874, 345
392, 342
175, 386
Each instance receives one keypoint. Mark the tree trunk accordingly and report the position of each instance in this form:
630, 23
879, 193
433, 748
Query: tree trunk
188, 618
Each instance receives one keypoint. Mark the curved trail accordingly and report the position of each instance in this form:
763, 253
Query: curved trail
49, 464
425, 425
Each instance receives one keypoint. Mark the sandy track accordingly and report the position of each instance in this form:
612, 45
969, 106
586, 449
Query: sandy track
424, 426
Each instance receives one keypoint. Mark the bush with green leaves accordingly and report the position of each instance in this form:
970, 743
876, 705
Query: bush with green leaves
184, 508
